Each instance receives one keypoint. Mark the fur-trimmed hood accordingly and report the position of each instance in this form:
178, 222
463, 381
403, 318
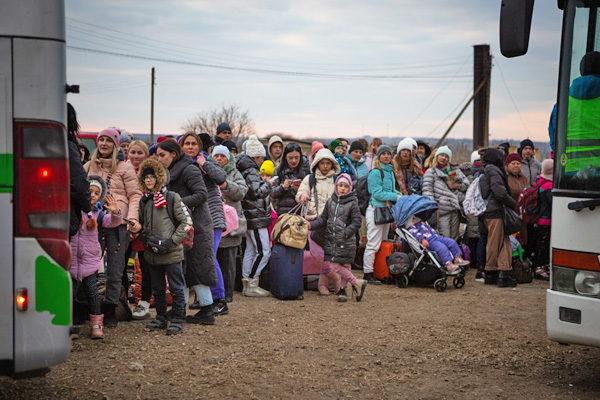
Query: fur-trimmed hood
159, 171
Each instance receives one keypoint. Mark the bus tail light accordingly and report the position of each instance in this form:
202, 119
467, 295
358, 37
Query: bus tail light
22, 299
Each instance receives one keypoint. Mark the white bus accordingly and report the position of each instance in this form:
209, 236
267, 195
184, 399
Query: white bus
35, 287
573, 299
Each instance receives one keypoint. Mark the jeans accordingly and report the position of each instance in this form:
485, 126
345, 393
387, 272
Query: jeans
218, 292
176, 284
227, 260
117, 241
204, 295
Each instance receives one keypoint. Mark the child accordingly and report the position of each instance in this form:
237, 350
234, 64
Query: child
542, 251
337, 148
342, 218
162, 238
446, 248
87, 251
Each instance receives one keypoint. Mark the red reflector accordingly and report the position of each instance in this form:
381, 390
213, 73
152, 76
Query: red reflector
45, 173
22, 299
575, 259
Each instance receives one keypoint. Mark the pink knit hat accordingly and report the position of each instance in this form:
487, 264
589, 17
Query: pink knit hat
343, 178
316, 146
112, 133
547, 169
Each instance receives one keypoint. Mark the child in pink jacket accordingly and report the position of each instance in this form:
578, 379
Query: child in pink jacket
86, 249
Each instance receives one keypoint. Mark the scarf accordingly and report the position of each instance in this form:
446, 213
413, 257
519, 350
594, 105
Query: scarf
159, 199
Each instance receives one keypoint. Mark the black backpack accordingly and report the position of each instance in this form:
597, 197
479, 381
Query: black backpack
362, 192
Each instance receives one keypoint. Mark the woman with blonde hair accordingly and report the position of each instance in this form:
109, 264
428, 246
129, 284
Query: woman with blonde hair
371, 152
408, 169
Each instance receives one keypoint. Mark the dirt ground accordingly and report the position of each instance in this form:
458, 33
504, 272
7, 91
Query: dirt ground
414, 343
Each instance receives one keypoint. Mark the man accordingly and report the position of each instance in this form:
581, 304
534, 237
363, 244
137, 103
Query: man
223, 133
356, 160
530, 167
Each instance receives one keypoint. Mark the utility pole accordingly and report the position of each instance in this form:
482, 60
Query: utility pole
482, 73
152, 108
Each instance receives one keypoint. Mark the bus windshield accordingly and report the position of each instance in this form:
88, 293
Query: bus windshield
578, 135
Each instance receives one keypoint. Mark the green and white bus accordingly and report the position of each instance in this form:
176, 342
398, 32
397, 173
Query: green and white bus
573, 299
35, 287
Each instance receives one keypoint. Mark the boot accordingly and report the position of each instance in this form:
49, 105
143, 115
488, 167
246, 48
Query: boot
245, 283
205, 316
505, 280
96, 322
323, 285
490, 277
254, 290
371, 279
110, 318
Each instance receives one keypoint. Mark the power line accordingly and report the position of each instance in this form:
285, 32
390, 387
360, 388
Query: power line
511, 99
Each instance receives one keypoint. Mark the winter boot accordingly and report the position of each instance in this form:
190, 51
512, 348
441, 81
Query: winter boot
505, 280
245, 283
371, 279
96, 323
254, 290
206, 316
323, 285
490, 277
110, 317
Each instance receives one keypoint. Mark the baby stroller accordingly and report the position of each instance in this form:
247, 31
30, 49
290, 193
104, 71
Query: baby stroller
427, 268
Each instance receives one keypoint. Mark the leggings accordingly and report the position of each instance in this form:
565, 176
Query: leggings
90, 288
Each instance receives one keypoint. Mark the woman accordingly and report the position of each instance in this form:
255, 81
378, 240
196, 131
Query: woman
234, 189
213, 176
290, 174
316, 188
382, 188
408, 169
494, 188
187, 181
121, 181
355, 159
274, 149
517, 182
446, 185
372, 151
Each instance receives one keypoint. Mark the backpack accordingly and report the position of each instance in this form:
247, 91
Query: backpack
362, 192
188, 240
528, 204
474, 203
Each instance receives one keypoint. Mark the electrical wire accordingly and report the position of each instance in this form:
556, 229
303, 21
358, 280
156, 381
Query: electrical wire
511, 98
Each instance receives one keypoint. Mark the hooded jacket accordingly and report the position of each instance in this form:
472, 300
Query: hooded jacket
156, 221
285, 199
435, 186
494, 185
233, 194
341, 216
256, 202
214, 176
324, 184
275, 139
187, 181
360, 167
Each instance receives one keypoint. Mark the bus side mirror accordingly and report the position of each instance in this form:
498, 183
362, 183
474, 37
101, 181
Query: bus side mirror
515, 24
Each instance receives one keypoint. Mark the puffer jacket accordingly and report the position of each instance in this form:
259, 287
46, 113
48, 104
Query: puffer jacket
187, 181
531, 169
123, 184
435, 186
233, 194
360, 167
382, 190
256, 202
285, 199
81, 200
494, 188
214, 176
324, 184
342, 217
85, 246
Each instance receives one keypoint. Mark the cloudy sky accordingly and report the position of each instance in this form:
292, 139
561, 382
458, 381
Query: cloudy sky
307, 68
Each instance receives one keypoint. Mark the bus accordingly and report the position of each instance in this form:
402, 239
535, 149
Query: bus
573, 298
35, 286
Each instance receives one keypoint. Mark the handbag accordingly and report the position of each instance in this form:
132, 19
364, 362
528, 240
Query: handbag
232, 220
383, 215
512, 221
291, 229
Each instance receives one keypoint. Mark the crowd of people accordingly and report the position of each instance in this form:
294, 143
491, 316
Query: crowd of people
167, 205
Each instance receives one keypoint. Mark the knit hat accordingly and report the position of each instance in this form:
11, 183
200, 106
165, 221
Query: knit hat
316, 146
404, 144
147, 171
335, 144
254, 148
343, 178
412, 142
356, 146
112, 133
230, 146
547, 169
444, 150
162, 139
525, 143
267, 168
512, 157
504, 147
220, 149
383, 148
223, 127
152, 148
124, 138
475, 156
206, 141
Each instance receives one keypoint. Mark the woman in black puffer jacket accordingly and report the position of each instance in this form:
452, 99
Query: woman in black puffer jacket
293, 168
495, 189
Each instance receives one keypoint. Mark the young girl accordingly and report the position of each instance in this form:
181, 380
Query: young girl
342, 218
86, 249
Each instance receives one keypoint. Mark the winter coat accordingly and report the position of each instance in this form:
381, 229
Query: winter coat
516, 184
85, 245
256, 202
274, 139
369, 157
285, 199
233, 194
214, 176
81, 200
123, 184
188, 182
324, 184
545, 201
494, 188
360, 167
382, 190
531, 169
342, 217
421, 230
435, 186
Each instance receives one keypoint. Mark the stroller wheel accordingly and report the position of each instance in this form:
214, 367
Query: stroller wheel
459, 282
440, 285
402, 281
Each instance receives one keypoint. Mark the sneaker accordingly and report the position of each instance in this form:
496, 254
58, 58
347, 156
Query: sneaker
371, 279
479, 276
220, 308
451, 267
458, 260
142, 310
342, 296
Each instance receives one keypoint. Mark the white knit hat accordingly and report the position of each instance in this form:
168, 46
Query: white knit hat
254, 148
444, 150
475, 156
220, 149
413, 142
405, 144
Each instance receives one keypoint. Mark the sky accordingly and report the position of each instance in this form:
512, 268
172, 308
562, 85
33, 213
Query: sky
308, 69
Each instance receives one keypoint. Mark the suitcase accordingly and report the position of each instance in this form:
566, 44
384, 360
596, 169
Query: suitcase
380, 268
286, 277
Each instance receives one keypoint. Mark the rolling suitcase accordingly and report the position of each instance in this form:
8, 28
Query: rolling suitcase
286, 272
380, 268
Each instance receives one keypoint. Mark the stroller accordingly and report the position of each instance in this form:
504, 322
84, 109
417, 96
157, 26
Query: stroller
426, 268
